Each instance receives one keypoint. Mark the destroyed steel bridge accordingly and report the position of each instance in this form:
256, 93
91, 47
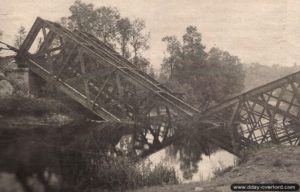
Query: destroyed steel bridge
97, 77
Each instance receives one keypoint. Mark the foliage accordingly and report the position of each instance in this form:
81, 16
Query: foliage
121, 33
139, 42
226, 76
204, 78
124, 28
20, 37
82, 17
118, 174
173, 61
157, 175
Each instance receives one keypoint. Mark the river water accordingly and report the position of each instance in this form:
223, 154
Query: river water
219, 159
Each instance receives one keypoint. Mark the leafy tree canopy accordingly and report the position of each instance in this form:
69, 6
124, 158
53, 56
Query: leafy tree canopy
20, 37
204, 78
106, 23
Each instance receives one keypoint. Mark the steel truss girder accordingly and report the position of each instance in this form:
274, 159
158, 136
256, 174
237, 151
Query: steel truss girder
266, 114
97, 77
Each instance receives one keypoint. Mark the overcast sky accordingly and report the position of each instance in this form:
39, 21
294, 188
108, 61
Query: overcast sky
264, 31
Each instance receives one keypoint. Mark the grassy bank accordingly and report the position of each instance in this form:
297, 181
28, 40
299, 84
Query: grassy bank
275, 164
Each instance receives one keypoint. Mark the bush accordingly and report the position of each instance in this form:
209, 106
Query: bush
119, 174
122, 173
158, 175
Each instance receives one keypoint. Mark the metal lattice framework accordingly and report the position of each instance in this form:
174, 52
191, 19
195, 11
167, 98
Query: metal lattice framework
266, 114
98, 78
102, 81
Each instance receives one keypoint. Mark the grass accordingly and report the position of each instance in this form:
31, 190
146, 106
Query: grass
265, 164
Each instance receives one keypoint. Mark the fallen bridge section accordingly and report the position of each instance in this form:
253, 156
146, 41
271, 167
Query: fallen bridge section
102, 81
105, 83
266, 114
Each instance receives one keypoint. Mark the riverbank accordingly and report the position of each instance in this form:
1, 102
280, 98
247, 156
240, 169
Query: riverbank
275, 164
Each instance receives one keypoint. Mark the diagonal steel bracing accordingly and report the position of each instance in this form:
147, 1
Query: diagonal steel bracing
101, 80
98, 78
266, 114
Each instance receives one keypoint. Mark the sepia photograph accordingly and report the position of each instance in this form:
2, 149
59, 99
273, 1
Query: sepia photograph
149, 95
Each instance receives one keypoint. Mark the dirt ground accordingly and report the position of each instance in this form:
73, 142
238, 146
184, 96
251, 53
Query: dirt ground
276, 164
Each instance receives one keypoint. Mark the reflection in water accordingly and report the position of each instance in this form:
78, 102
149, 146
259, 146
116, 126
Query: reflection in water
207, 165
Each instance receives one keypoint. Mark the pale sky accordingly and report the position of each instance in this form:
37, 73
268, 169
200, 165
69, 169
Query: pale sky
264, 31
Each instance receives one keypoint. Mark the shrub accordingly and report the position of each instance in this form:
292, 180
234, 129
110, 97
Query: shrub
119, 174
157, 175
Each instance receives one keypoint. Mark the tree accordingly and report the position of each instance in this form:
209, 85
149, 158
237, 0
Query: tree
106, 23
193, 59
183, 63
20, 37
82, 17
184, 58
105, 26
205, 78
227, 75
100, 22
139, 42
193, 48
124, 31
174, 59
1, 33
